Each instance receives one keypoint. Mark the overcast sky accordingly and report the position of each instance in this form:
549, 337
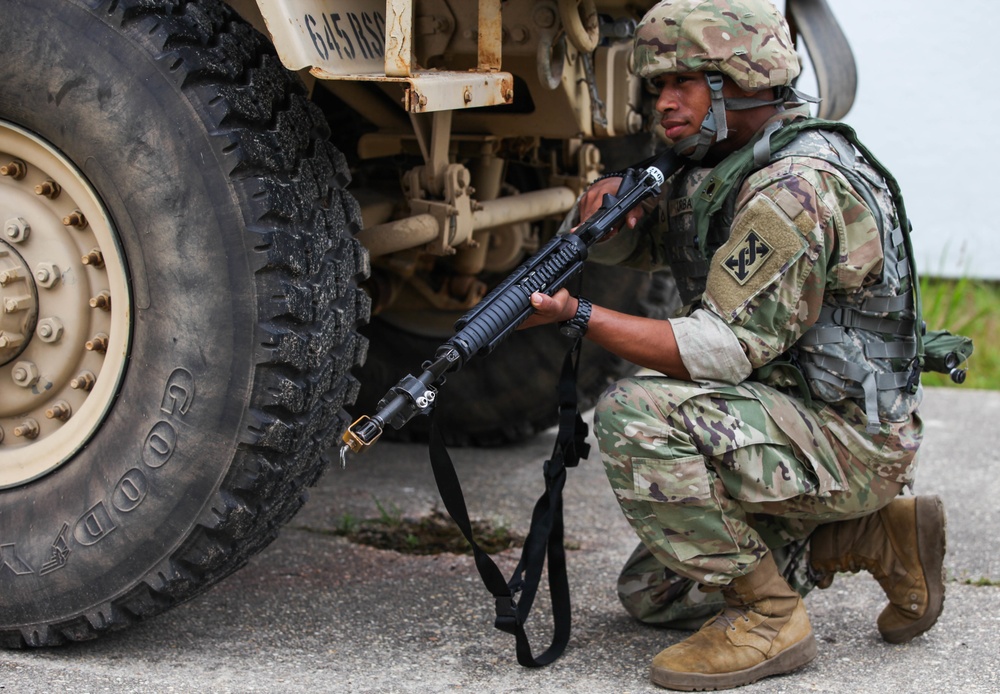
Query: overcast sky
927, 105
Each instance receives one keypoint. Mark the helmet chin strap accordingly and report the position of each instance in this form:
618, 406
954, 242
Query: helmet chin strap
714, 128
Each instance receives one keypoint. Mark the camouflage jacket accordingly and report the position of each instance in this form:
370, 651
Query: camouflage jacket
800, 239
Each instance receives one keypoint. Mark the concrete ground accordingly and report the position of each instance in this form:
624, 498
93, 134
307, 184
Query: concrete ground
314, 612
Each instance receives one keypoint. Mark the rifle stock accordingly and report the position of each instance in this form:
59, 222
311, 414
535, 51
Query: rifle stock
501, 311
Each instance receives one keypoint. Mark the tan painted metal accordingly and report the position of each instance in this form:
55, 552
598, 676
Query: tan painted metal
525, 207
56, 390
409, 232
580, 19
422, 229
373, 41
454, 202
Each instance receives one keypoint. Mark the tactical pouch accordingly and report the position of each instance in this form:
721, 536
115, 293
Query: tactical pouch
945, 352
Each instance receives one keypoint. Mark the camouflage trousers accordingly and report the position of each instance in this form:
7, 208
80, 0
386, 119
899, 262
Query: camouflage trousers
713, 478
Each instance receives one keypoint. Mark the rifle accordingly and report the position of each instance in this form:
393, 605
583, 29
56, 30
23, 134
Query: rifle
479, 331
501, 311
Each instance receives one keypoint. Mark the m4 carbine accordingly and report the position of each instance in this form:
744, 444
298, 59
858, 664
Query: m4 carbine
501, 311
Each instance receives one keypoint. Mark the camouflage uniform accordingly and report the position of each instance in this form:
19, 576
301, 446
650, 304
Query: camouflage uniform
712, 473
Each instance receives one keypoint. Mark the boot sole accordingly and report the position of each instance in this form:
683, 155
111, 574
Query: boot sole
931, 546
792, 658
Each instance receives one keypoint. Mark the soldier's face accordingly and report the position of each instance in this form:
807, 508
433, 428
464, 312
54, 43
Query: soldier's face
685, 99
683, 103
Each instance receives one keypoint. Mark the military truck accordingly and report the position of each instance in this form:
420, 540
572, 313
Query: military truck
224, 223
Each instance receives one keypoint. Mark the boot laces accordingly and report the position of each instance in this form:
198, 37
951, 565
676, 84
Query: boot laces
730, 617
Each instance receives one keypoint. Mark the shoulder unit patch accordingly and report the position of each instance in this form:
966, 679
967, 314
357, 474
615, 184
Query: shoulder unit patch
763, 243
747, 258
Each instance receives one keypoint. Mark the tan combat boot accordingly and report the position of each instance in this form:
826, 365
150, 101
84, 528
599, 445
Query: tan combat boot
763, 631
902, 546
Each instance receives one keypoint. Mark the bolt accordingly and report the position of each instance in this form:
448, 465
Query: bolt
83, 381
47, 275
8, 276
27, 429
545, 17
98, 343
16, 169
48, 188
17, 303
101, 301
50, 329
75, 219
10, 339
467, 95
25, 374
94, 259
16, 229
59, 410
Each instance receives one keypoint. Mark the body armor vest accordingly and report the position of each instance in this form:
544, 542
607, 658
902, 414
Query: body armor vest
865, 345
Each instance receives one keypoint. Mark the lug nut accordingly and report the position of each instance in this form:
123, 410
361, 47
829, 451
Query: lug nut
94, 259
16, 229
101, 301
75, 219
16, 169
50, 329
10, 339
16, 303
83, 381
60, 410
27, 429
48, 188
24, 374
47, 275
98, 343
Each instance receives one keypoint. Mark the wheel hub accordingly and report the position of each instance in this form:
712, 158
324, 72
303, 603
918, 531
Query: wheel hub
64, 308
18, 297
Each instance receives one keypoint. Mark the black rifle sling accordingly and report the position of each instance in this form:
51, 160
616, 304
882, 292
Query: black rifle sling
545, 537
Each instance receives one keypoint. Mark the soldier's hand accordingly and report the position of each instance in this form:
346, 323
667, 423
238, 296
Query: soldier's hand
591, 202
550, 309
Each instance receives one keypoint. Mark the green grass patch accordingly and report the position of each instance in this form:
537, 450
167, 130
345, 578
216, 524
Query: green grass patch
971, 308
982, 582
434, 533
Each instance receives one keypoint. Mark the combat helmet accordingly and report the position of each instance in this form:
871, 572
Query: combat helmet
745, 40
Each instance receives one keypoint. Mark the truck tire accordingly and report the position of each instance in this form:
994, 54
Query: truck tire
179, 249
510, 395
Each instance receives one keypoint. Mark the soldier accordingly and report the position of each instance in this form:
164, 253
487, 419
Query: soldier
786, 415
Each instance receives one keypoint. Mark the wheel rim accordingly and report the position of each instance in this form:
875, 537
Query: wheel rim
66, 309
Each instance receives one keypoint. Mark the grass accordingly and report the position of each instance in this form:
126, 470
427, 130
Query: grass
971, 308
434, 533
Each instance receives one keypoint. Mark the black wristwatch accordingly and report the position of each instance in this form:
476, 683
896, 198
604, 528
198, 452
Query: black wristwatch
577, 325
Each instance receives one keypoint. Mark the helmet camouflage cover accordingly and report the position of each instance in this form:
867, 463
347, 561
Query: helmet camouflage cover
746, 40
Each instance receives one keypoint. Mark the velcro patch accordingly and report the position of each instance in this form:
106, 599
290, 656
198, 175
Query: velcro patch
764, 241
